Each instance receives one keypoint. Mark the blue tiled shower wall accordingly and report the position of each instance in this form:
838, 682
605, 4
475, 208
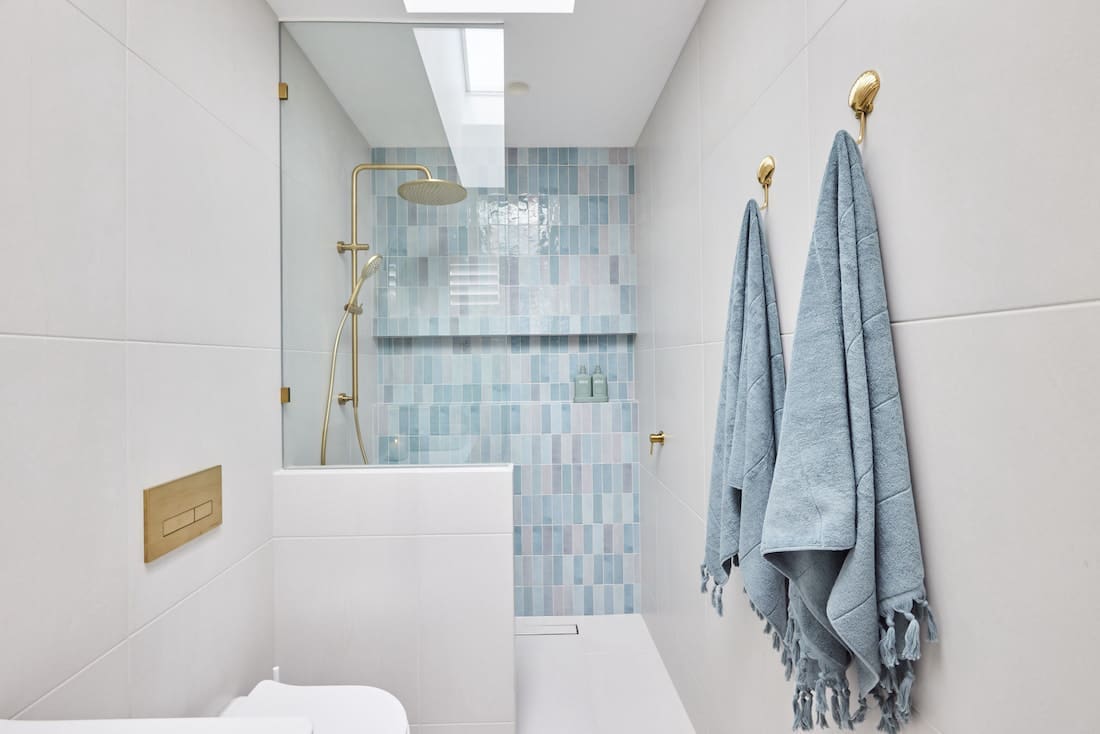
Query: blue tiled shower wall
487, 310
550, 254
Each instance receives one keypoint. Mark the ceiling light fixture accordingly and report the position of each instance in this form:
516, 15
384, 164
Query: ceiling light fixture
489, 6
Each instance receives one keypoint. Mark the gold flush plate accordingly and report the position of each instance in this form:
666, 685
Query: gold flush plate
181, 510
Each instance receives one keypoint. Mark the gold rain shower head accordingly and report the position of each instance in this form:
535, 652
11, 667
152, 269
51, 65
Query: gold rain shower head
431, 191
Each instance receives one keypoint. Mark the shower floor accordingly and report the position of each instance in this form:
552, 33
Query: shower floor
608, 679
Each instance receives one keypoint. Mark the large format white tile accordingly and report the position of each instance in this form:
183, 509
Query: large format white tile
675, 235
110, 14
509, 728
62, 532
1001, 418
466, 618
383, 501
679, 397
213, 646
818, 13
743, 47
645, 199
63, 181
776, 126
648, 554
608, 679
680, 541
190, 408
346, 612
982, 202
99, 691
645, 389
202, 224
235, 75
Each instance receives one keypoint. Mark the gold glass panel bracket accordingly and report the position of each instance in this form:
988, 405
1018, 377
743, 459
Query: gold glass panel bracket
764, 175
862, 99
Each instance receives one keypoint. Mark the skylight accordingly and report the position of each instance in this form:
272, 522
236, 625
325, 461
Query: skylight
483, 49
489, 6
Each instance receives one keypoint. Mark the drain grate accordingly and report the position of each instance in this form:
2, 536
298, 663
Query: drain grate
540, 630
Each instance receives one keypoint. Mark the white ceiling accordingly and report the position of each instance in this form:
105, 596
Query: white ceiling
393, 107
594, 74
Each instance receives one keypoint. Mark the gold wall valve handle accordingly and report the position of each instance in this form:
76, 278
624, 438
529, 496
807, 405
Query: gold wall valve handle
655, 438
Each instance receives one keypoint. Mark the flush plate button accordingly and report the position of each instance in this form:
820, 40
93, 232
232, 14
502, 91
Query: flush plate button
181, 510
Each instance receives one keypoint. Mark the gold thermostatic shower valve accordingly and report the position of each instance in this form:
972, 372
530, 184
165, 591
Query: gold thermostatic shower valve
656, 438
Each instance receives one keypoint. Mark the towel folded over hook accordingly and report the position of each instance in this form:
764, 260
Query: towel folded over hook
750, 409
841, 522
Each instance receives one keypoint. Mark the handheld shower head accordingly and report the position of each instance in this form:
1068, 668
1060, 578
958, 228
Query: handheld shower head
372, 267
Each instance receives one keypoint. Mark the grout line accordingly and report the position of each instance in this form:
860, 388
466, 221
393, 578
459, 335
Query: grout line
481, 534
1057, 306
69, 679
145, 342
130, 635
195, 592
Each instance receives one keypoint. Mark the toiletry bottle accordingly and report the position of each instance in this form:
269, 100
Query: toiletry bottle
599, 385
582, 385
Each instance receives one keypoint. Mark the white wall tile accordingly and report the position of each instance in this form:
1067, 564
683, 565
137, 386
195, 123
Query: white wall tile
202, 223
99, 691
648, 556
645, 390
1001, 416
62, 533
190, 408
679, 396
346, 612
234, 76
110, 14
818, 13
64, 251
214, 645
675, 233
509, 728
743, 47
972, 218
381, 500
679, 552
776, 126
466, 617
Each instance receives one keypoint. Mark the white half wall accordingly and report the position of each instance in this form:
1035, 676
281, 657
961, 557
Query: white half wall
986, 214
400, 578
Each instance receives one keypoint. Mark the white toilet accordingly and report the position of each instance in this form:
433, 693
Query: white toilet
331, 709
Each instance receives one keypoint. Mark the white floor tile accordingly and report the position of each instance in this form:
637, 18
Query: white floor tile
608, 679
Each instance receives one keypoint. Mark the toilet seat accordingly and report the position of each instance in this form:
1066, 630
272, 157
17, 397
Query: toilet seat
331, 709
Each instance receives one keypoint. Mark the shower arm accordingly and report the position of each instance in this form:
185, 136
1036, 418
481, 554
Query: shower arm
354, 246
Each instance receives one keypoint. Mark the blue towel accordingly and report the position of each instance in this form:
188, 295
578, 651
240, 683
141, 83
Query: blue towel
750, 409
841, 523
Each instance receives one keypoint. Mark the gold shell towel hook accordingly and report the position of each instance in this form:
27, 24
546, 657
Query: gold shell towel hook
764, 175
862, 98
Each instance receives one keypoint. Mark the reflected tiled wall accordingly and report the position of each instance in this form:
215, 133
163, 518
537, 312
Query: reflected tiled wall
550, 254
485, 311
